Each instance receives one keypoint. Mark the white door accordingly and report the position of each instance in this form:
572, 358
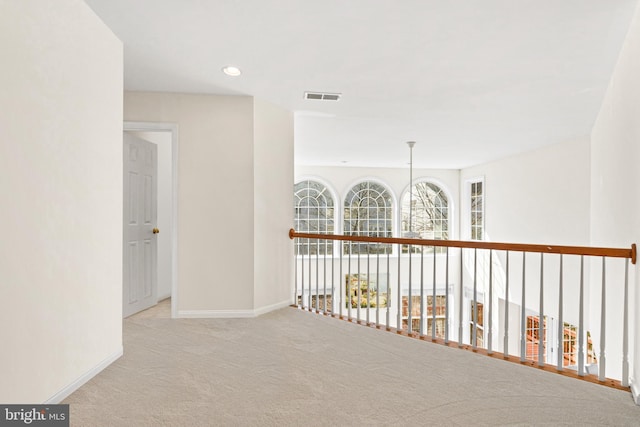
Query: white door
140, 219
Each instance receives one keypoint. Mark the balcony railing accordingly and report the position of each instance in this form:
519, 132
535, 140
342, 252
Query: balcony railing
483, 296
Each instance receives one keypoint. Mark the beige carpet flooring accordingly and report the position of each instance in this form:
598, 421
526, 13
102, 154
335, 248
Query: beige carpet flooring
293, 368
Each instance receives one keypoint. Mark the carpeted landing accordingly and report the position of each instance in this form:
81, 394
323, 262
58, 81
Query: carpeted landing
290, 368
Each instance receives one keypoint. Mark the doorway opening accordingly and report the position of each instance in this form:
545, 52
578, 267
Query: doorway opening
165, 136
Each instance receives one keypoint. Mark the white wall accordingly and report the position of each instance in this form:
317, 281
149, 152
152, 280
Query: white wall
615, 188
540, 196
215, 194
273, 201
61, 192
165, 209
235, 175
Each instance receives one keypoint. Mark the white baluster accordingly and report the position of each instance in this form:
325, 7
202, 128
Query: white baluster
581, 336
603, 324
560, 341
523, 313
506, 308
625, 328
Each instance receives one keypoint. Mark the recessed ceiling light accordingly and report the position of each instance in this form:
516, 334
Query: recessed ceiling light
231, 71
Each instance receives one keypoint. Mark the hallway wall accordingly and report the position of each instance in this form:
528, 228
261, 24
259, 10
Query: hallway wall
215, 145
61, 195
229, 148
615, 189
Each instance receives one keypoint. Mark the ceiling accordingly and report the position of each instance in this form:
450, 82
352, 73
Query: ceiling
470, 81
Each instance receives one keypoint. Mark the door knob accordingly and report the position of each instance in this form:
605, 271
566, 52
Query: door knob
156, 231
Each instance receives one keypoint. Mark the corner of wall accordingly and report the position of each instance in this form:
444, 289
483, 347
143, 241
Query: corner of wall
269, 308
273, 206
84, 378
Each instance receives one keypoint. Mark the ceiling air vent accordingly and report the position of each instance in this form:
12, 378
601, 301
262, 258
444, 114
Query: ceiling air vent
322, 96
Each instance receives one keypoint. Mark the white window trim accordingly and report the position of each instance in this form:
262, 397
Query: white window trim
440, 292
450, 207
550, 335
337, 206
394, 209
465, 229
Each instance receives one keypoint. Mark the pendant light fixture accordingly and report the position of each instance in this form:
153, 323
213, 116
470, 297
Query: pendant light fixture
410, 234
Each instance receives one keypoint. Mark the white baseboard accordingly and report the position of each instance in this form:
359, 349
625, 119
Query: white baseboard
215, 314
84, 378
231, 314
635, 392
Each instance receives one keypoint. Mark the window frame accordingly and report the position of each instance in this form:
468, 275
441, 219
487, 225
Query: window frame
393, 207
480, 327
532, 340
336, 209
425, 309
450, 209
468, 205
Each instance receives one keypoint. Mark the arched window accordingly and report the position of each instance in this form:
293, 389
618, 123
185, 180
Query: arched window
368, 211
314, 208
429, 214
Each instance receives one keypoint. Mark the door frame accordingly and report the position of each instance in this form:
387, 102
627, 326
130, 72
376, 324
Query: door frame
130, 126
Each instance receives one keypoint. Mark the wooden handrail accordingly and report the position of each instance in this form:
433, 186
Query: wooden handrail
517, 247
